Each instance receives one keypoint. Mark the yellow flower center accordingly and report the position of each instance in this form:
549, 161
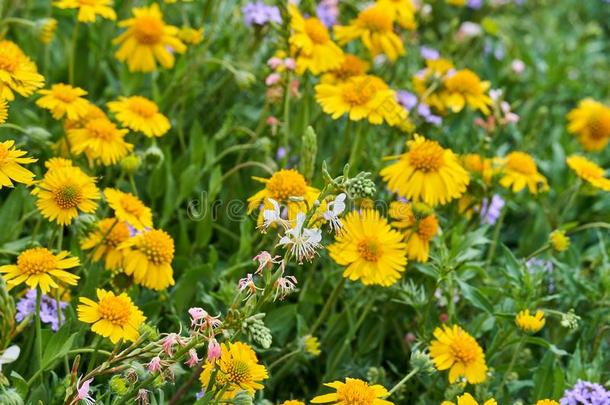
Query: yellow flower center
158, 247
64, 93
68, 196
463, 350
375, 19
522, 163
148, 30
355, 393
358, 93
115, 310
598, 126
102, 128
316, 31
464, 82
287, 183
142, 107
237, 372
36, 261
370, 250
427, 227
8, 62
427, 156
115, 233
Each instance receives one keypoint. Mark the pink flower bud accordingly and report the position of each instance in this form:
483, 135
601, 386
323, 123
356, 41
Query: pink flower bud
272, 79
214, 351
274, 62
290, 63
155, 365
193, 359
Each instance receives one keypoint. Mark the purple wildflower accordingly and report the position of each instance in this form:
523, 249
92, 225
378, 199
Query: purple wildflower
424, 111
328, 12
586, 393
407, 99
258, 13
490, 210
48, 309
475, 4
429, 53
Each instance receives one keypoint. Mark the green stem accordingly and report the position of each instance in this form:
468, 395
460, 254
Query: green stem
38, 330
132, 183
73, 53
327, 307
356, 152
511, 364
401, 382
281, 359
494, 240
287, 119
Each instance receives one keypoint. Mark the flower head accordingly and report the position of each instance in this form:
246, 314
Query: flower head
518, 171
82, 391
266, 261
369, 248
100, 140
333, 210
148, 40
105, 240
302, 242
311, 345
214, 351
259, 13
467, 399
589, 171
11, 160
129, 208
112, 316
49, 313
559, 240
403, 10
193, 360
64, 100
140, 114
353, 391
590, 123
418, 224
190, 35
546, 402
464, 87
427, 173
454, 349
17, 72
351, 66
88, 10
585, 393
528, 322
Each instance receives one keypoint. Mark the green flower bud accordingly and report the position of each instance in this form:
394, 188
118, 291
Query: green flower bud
242, 398
119, 385
130, 164
421, 360
153, 156
360, 186
244, 79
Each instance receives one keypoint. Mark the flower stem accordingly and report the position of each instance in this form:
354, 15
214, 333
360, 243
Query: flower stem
356, 152
286, 140
73, 53
401, 382
38, 329
326, 309
511, 364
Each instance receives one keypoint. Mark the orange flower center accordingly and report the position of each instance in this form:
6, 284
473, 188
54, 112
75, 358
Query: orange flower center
358, 93
598, 126
376, 20
64, 93
287, 183
464, 82
316, 31
115, 310
148, 30
426, 157
102, 128
142, 107
355, 393
237, 372
521, 163
115, 233
370, 250
68, 196
158, 247
8, 63
427, 227
36, 261
463, 350
352, 66
132, 204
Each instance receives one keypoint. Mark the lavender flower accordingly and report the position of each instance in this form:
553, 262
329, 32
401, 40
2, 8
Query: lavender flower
490, 210
429, 53
328, 12
258, 13
475, 4
409, 101
48, 309
586, 393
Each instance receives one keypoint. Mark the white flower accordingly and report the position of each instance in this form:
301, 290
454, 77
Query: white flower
335, 208
266, 261
9, 355
247, 283
272, 216
284, 286
302, 242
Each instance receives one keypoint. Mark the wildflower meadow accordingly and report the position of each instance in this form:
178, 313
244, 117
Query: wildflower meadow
284, 202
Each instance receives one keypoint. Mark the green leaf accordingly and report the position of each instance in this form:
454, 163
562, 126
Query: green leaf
475, 297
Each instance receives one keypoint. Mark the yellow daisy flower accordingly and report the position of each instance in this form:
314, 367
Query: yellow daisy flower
292, 402
351, 66
457, 2
518, 171
467, 399
148, 257
370, 249
403, 12
100, 140
315, 51
428, 83
559, 240
3, 111
426, 173
57, 163
105, 240
590, 122
530, 323
40, 267
148, 40
64, 100
456, 350
11, 160
282, 185
113, 316
312, 345
92, 112
17, 72
418, 224
374, 26
589, 171
48, 26
191, 36
547, 402
464, 87
140, 114
238, 370
88, 10
129, 208
353, 391
63, 192
361, 97
477, 164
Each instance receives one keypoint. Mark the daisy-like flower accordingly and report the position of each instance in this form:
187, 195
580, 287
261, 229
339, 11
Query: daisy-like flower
530, 323
302, 242
148, 40
40, 267
63, 100
58, 163
464, 87
546, 402
287, 187
334, 209
589, 171
418, 224
456, 350
311, 345
559, 240
370, 249
190, 35
63, 192
129, 208
353, 391
403, 12
427, 173
479, 165
590, 122
17, 72
113, 316
140, 114
351, 66
100, 140
238, 370
88, 10
315, 50
374, 26
292, 402
105, 240
428, 82
467, 399
93, 112
148, 258
11, 160
518, 171
362, 97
